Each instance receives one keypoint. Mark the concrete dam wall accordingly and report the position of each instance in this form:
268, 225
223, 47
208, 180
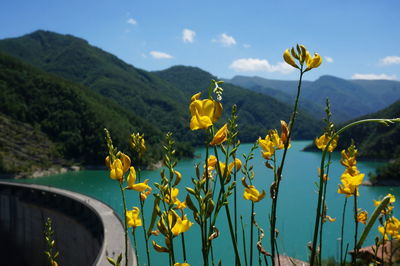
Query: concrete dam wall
86, 230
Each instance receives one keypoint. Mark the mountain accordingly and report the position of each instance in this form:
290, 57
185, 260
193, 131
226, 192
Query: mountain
373, 140
160, 101
49, 119
349, 98
257, 112
376, 141
136, 90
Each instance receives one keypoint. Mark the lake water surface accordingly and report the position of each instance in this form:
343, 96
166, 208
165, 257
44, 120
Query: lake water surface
296, 207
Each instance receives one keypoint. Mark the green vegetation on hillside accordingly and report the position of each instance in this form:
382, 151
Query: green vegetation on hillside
376, 141
138, 91
69, 115
160, 98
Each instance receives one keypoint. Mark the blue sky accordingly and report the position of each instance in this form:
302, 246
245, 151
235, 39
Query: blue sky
356, 38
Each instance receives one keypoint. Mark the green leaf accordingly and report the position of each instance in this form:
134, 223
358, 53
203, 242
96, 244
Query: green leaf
385, 202
156, 210
111, 261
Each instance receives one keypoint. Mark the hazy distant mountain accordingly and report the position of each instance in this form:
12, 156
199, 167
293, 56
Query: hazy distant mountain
257, 112
349, 98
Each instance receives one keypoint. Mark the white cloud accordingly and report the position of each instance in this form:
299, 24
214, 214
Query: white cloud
160, 55
225, 40
329, 59
131, 21
390, 60
374, 76
246, 45
255, 64
188, 35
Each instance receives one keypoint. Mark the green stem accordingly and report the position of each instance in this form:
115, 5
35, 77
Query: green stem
325, 208
321, 184
356, 228
234, 243
244, 241
183, 247
125, 224
251, 232
134, 242
146, 237
280, 170
235, 203
384, 203
342, 261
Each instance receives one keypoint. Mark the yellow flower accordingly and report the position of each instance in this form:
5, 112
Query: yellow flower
133, 218
140, 187
284, 131
54, 263
116, 170
145, 194
220, 136
211, 162
362, 217
181, 225
182, 264
204, 112
177, 224
289, 59
227, 172
390, 227
251, 193
313, 62
119, 166
267, 147
322, 141
138, 143
302, 56
350, 184
388, 209
238, 164
348, 159
174, 196
276, 140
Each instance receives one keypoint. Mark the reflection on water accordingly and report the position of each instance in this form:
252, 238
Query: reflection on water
296, 211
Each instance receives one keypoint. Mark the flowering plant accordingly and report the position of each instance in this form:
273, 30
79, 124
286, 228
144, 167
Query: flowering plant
215, 184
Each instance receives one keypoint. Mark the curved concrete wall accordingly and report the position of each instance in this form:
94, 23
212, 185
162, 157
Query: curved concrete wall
86, 230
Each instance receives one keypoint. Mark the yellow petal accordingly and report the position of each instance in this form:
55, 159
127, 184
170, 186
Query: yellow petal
220, 136
133, 218
178, 178
289, 59
108, 162
140, 187
126, 162
195, 97
181, 226
317, 60
238, 164
131, 177
116, 170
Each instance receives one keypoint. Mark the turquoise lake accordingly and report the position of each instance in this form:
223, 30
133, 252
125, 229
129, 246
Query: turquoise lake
296, 206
